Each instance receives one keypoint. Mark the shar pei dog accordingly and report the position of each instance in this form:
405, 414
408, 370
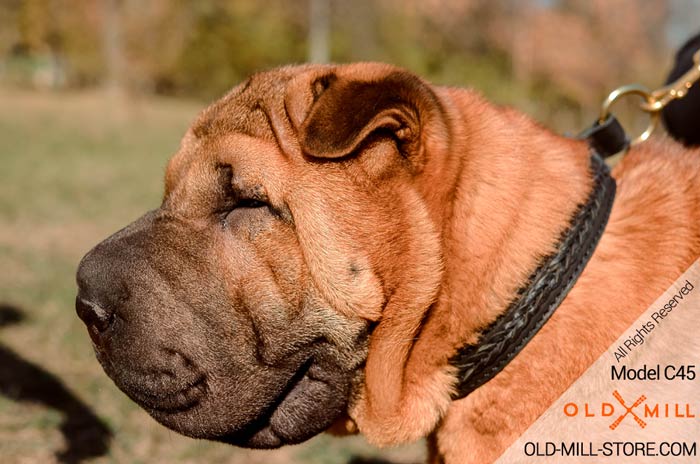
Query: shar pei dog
332, 237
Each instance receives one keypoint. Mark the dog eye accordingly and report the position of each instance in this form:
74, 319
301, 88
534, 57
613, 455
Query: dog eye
241, 209
251, 203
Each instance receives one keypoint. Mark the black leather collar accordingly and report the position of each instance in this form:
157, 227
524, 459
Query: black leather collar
547, 287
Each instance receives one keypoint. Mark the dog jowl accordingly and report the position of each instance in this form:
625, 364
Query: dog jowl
241, 309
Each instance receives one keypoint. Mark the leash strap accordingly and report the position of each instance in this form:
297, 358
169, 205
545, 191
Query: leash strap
547, 287
606, 138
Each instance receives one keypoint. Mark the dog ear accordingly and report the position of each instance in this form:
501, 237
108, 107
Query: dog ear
346, 111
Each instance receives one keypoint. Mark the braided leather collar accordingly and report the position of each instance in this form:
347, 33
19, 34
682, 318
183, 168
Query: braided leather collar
547, 287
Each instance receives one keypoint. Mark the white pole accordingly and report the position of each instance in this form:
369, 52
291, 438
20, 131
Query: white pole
319, 31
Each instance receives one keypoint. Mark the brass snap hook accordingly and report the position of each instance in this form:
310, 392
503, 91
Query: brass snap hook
632, 89
654, 101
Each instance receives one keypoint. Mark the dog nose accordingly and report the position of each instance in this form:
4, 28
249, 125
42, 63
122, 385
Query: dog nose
93, 315
102, 288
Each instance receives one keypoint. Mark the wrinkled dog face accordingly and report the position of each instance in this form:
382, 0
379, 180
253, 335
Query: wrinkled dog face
240, 309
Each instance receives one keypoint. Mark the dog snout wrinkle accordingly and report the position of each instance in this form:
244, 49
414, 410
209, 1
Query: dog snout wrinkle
165, 393
168, 384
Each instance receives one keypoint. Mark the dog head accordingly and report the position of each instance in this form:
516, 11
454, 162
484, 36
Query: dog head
294, 233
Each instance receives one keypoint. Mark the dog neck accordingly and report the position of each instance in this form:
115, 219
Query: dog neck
514, 188
545, 290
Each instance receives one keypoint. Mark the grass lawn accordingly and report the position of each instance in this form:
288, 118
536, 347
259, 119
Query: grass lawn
73, 169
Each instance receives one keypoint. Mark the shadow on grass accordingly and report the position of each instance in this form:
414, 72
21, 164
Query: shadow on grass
20, 380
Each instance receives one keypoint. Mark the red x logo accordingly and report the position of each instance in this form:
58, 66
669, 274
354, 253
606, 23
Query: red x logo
628, 410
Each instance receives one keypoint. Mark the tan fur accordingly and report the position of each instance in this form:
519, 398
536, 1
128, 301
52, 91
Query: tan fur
523, 183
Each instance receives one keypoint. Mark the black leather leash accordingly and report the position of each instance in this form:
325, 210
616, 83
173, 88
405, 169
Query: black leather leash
549, 284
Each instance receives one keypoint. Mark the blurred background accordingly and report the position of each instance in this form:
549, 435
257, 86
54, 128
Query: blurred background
95, 95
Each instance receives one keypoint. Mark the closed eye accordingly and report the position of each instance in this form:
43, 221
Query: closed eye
251, 203
240, 210
235, 198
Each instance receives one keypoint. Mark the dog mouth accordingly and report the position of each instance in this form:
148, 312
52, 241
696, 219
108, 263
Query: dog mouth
161, 392
178, 400
306, 405
311, 401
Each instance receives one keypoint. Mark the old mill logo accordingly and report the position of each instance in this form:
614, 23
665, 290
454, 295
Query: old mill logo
628, 410
640, 410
